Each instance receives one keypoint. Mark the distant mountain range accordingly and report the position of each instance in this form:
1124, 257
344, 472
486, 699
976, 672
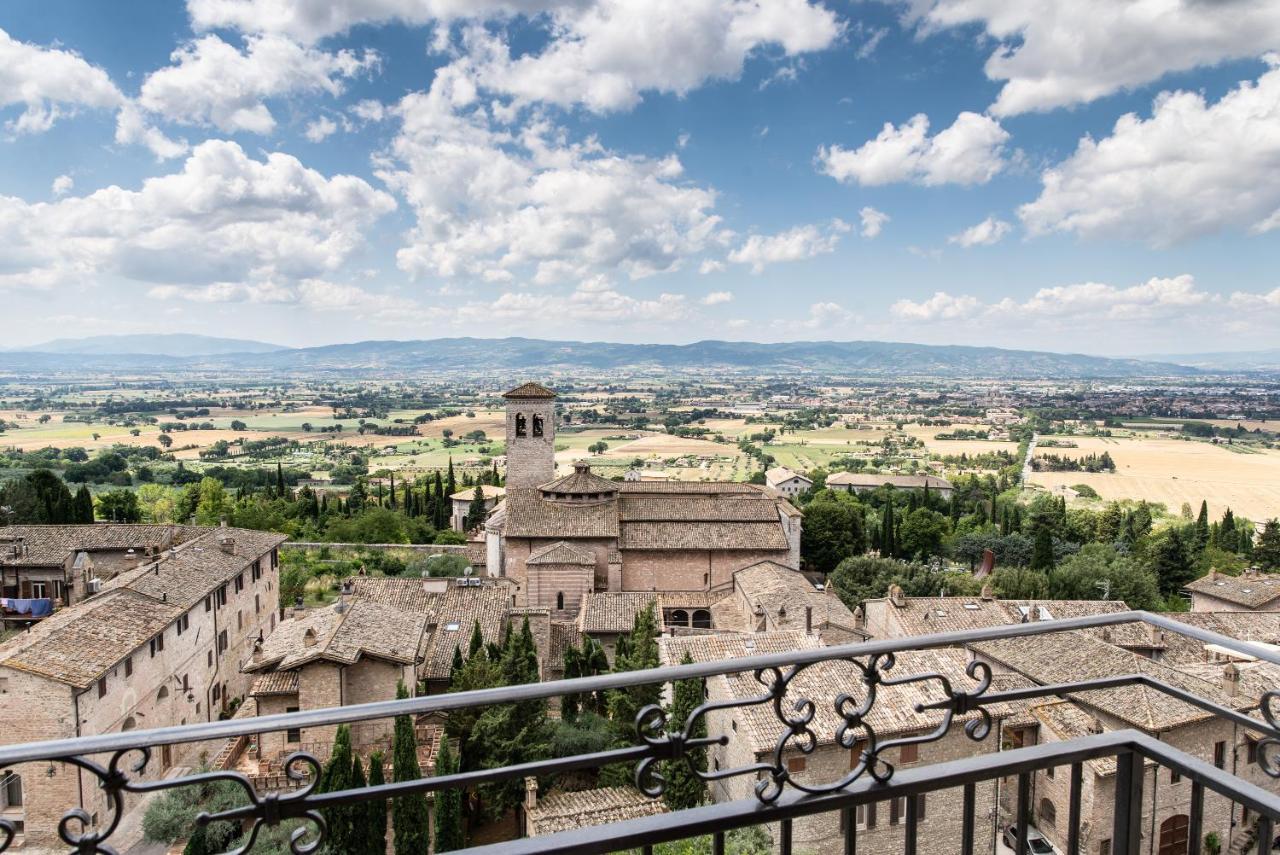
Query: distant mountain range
528, 357
169, 344
1241, 360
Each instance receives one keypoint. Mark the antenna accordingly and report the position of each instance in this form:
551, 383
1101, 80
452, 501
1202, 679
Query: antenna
1105, 587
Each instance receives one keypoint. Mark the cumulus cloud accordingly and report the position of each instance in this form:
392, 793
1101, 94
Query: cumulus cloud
1159, 298
872, 221
970, 151
214, 83
62, 185
795, 244
1055, 54
49, 83
1245, 300
1193, 168
225, 221
989, 231
715, 298
495, 202
320, 129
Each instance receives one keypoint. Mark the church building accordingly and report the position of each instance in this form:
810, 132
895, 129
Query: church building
559, 539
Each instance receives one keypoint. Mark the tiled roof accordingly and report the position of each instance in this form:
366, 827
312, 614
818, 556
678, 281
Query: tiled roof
580, 482
564, 811
862, 479
1042, 659
716, 646
529, 390
780, 474
1248, 589
564, 634
1068, 721
1263, 627
48, 545
401, 593
560, 552
363, 628
925, 615
785, 594
614, 611
731, 508
529, 515
78, 645
275, 683
456, 614
186, 575
703, 535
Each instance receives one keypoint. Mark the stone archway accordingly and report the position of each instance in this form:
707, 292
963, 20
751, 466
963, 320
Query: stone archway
701, 619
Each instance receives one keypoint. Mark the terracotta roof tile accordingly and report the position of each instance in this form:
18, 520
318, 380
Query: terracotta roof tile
529, 390
1248, 589
564, 811
730, 508
580, 482
614, 611
703, 535
530, 515
400, 593
456, 614
48, 545
560, 552
275, 683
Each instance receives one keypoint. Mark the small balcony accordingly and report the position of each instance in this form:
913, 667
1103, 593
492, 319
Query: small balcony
1092, 787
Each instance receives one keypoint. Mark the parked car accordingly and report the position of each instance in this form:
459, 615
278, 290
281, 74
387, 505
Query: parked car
1037, 843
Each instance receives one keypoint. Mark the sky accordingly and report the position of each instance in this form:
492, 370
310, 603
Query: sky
1071, 175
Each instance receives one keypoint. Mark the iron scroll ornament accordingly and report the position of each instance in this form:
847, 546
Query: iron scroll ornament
76, 828
668, 745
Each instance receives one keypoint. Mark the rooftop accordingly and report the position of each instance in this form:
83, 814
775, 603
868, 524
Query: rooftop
614, 611
529, 390
50, 545
1248, 589
361, 629
561, 811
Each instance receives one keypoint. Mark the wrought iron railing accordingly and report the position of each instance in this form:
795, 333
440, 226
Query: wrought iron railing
779, 798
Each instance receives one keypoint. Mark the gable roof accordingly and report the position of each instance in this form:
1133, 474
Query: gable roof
405, 594
703, 535
781, 474
581, 481
529, 390
560, 552
48, 545
527, 514
457, 611
361, 629
564, 811
1248, 589
907, 482
186, 575
614, 611
729, 508
785, 594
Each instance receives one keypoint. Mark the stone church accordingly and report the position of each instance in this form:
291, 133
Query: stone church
560, 539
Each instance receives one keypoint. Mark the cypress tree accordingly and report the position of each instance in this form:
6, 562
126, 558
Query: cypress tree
337, 775
1202, 525
1042, 552
455, 668
572, 670
376, 823
448, 804
408, 813
279, 480
450, 483
1228, 539
393, 489
476, 511
360, 841
477, 640
83, 505
684, 788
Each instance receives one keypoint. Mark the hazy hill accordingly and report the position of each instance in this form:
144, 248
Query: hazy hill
1240, 360
168, 344
526, 357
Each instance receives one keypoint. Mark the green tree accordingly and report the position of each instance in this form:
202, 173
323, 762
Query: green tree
1172, 560
1042, 554
119, 506
448, 804
409, 812
888, 537
922, 533
684, 788
832, 531
476, 510
340, 820
1202, 525
376, 819
212, 505
863, 578
1266, 552
1016, 583
83, 503
1098, 571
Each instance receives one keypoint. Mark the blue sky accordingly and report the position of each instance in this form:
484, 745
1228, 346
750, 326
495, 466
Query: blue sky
1082, 176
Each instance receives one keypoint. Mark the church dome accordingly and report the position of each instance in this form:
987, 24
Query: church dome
583, 485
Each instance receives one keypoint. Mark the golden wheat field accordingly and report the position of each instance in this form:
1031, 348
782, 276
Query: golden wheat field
1173, 471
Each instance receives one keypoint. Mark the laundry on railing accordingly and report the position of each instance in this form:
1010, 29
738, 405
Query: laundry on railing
36, 607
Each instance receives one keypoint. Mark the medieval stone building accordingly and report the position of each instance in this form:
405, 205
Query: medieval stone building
560, 539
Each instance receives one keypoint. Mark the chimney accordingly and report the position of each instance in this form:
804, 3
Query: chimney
130, 559
808, 620
309, 638
896, 597
580, 466
987, 593
227, 544
530, 793
298, 608
1033, 612
257, 651
1231, 679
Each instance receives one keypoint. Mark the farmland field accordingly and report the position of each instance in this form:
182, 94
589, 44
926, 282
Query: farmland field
1173, 471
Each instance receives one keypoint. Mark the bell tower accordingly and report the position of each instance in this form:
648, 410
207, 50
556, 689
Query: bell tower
531, 435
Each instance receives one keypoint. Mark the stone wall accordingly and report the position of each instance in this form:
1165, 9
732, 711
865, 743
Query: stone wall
531, 459
689, 570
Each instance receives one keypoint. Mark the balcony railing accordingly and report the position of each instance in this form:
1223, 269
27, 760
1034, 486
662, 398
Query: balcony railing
779, 798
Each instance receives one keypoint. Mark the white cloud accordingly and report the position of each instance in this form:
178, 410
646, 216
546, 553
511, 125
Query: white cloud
968, 152
1192, 168
494, 203
225, 221
941, 306
989, 231
1245, 300
604, 55
871, 36
872, 221
711, 265
369, 110
795, 244
1054, 54
715, 298
132, 128
821, 316
214, 83
49, 83
62, 185
598, 306
320, 129
682, 141
1157, 298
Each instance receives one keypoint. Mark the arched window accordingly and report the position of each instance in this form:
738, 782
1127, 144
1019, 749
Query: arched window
537, 425
520, 424
560, 600
129, 724
702, 619
679, 617
163, 693
1048, 813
